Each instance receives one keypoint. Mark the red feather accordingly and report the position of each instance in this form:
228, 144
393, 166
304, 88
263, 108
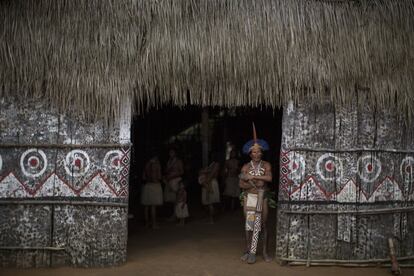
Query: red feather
254, 133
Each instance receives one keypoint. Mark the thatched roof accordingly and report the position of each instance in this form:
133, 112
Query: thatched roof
210, 52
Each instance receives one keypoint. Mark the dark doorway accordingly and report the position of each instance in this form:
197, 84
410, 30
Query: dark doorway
171, 125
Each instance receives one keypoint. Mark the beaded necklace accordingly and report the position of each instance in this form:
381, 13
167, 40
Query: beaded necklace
256, 170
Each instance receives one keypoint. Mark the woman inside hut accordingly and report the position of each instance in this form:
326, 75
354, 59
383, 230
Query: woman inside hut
254, 178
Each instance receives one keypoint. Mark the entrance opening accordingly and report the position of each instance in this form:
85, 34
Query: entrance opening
159, 129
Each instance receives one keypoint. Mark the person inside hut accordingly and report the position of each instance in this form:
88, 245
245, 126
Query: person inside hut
210, 191
254, 178
181, 208
172, 178
151, 195
231, 179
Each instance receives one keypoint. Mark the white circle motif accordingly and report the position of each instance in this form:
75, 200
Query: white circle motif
407, 162
296, 166
33, 171
112, 159
335, 172
369, 168
77, 163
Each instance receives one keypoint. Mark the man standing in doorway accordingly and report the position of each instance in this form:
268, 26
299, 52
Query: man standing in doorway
254, 178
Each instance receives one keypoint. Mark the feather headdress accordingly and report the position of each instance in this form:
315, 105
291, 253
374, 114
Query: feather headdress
255, 143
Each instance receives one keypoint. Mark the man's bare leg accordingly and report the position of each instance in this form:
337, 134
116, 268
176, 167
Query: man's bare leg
172, 218
146, 216
154, 217
245, 256
211, 213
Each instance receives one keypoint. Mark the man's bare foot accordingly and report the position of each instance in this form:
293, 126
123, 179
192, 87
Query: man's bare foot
266, 258
251, 259
244, 257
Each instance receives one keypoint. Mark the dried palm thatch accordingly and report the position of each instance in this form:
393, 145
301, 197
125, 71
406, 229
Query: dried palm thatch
79, 54
91, 53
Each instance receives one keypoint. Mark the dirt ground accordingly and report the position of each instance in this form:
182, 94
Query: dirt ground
196, 248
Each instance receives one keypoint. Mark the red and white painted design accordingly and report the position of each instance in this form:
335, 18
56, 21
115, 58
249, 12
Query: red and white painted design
351, 193
329, 167
369, 168
77, 163
33, 163
387, 190
54, 186
70, 179
296, 166
116, 170
113, 159
97, 186
407, 169
313, 188
292, 170
310, 190
11, 187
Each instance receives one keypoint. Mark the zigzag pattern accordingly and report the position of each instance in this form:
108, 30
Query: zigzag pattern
311, 189
256, 231
104, 183
54, 185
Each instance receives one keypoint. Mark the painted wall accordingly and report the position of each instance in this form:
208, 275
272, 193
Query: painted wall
63, 187
344, 160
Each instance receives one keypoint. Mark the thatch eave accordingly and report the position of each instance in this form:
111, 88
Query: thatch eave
91, 53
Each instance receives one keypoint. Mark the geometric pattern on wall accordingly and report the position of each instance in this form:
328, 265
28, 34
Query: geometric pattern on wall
116, 170
407, 169
369, 168
329, 167
76, 175
351, 192
309, 190
312, 187
292, 170
55, 186
33, 163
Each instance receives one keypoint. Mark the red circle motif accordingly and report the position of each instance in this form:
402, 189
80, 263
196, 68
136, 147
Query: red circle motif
33, 162
329, 166
115, 162
78, 163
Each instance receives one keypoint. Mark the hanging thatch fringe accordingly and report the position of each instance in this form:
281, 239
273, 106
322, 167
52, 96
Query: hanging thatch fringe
91, 53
